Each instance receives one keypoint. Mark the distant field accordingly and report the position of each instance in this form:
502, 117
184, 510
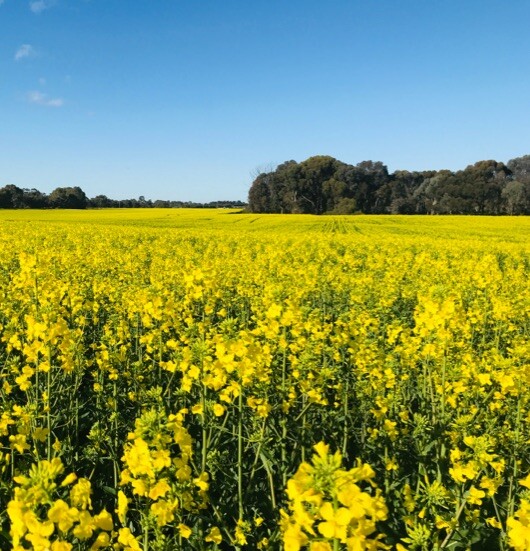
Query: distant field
502, 228
212, 380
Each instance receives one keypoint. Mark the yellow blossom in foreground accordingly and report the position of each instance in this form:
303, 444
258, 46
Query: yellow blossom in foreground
127, 540
518, 528
122, 506
214, 536
325, 497
63, 515
184, 531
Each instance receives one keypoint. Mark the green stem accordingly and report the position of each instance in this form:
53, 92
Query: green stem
283, 421
444, 361
345, 426
258, 451
240, 454
304, 398
48, 407
116, 444
511, 499
452, 532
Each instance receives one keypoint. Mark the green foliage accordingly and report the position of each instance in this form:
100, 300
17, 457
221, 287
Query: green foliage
323, 184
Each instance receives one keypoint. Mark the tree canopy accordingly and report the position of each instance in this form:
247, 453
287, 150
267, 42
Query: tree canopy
323, 184
13, 197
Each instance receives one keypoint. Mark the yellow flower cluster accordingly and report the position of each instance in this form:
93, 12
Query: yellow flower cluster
157, 474
327, 505
519, 527
49, 523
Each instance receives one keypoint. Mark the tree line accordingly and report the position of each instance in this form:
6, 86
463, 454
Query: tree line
323, 184
13, 197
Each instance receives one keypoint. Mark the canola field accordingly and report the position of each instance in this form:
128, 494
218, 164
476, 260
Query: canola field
211, 380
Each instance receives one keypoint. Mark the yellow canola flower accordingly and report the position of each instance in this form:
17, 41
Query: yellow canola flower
518, 528
218, 410
86, 526
38, 542
123, 504
461, 473
138, 458
160, 459
202, 482
140, 486
525, 481
163, 511
184, 531
241, 531
160, 489
335, 522
490, 485
214, 536
62, 546
80, 494
18, 442
37, 527
492, 521
102, 541
63, 515
103, 521
475, 496
15, 512
128, 541
322, 450
293, 536
69, 479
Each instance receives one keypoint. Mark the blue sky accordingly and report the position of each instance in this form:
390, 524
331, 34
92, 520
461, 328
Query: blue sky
186, 99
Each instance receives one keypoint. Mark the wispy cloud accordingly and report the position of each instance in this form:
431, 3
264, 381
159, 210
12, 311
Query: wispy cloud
1, 2
39, 98
38, 6
26, 50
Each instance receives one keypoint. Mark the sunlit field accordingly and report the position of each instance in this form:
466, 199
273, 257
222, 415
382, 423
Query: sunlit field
499, 229
214, 380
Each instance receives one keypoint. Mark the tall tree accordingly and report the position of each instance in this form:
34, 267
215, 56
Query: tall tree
520, 168
68, 198
12, 197
516, 197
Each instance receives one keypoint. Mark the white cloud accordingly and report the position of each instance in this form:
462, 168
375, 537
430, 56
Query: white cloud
38, 6
39, 98
26, 50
